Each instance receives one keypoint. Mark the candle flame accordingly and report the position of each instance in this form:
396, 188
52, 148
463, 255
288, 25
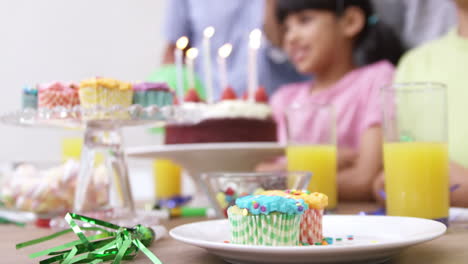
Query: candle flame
209, 32
192, 53
255, 38
225, 50
182, 43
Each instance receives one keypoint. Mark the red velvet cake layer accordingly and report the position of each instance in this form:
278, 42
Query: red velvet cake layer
223, 130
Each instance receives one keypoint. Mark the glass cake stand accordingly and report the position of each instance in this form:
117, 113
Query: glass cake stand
102, 134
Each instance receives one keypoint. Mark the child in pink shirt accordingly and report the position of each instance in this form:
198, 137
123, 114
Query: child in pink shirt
349, 53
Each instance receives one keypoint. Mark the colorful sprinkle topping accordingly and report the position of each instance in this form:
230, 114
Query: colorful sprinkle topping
315, 200
230, 191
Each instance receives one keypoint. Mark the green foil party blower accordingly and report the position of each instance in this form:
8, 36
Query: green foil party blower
121, 244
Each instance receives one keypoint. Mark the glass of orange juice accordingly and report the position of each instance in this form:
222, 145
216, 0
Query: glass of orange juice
415, 151
71, 148
167, 179
311, 135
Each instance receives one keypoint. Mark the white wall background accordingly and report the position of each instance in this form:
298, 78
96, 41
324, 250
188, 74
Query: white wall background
45, 40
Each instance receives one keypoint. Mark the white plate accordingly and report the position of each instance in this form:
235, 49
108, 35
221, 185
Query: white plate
212, 157
376, 240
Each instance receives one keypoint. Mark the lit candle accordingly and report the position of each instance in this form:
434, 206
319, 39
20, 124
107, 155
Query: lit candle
181, 44
191, 55
223, 54
207, 35
255, 41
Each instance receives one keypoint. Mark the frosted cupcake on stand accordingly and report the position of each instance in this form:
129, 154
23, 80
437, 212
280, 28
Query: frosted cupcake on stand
29, 97
152, 94
55, 94
105, 93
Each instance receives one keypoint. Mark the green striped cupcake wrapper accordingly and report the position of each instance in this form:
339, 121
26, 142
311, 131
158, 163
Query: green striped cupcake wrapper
265, 230
149, 98
30, 101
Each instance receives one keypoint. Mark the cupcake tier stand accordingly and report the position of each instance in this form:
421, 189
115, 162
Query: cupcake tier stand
102, 134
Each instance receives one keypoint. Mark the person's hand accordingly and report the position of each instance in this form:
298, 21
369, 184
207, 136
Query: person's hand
459, 178
278, 164
346, 158
456, 170
378, 188
271, 27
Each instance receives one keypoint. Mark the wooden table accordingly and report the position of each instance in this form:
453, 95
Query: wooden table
452, 248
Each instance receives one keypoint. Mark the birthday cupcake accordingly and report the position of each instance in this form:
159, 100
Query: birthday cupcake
56, 94
150, 93
266, 220
29, 97
311, 222
106, 93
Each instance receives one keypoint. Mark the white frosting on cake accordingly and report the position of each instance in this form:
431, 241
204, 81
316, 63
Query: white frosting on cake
238, 108
229, 109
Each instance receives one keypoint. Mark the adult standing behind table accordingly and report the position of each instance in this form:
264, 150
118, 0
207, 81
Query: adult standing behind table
417, 21
233, 21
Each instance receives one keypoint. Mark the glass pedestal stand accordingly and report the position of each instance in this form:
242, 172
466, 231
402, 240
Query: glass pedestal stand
103, 136
105, 139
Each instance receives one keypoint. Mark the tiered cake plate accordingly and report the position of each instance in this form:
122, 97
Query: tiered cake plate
197, 159
102, 133
212, 157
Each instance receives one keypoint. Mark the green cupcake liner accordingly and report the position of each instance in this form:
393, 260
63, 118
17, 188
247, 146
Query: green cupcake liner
149, 98
155, 98
265, 230
30, 101
139, 98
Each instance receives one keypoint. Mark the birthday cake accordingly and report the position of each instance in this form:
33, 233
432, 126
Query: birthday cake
230, 120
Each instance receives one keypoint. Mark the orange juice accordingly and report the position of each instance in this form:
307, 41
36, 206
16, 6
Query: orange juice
320, 160
71, 149
417, 180
167, 179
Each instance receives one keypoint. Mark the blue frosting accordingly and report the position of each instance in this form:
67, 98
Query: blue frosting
30, 90
263, 204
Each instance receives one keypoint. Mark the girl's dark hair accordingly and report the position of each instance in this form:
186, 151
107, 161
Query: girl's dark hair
377, 41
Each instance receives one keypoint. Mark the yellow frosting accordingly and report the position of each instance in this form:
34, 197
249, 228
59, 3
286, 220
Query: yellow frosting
314, 200
237, 211
105, 82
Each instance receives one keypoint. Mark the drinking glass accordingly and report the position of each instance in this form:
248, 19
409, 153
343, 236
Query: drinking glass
415, 150
311, 134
